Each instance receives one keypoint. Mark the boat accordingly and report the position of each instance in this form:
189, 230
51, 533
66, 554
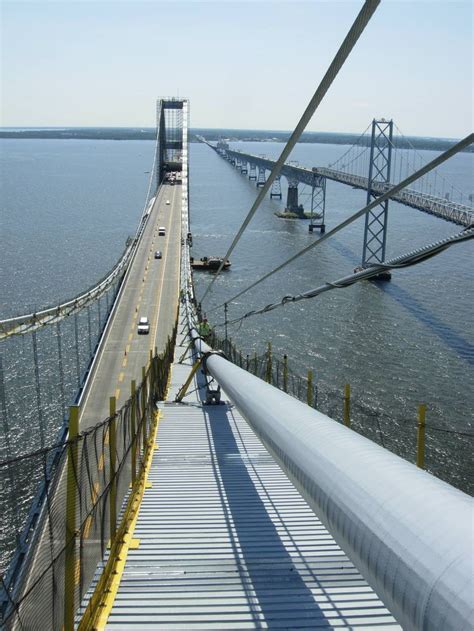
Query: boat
209, 263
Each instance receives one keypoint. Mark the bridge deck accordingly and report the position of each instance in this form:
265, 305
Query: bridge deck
227, 542
443, 208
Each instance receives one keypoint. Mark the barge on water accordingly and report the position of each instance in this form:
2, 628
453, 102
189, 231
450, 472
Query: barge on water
209, 263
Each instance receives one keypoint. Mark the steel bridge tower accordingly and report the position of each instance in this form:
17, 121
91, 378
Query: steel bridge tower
169, 123
318, 203
375, 231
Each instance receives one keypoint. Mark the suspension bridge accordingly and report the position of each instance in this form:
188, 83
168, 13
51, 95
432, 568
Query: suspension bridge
374, 163
172, 488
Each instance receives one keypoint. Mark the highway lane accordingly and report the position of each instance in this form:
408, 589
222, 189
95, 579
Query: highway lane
151, 290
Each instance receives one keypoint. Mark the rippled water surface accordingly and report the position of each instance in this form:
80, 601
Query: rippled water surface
68, 207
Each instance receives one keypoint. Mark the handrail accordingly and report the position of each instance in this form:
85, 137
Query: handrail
406, 531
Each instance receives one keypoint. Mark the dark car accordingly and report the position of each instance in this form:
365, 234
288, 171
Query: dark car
157, 254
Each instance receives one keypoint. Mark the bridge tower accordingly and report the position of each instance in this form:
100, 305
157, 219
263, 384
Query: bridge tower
261, 177
375, 231
253, 171
318, 203
169, 123
275, 191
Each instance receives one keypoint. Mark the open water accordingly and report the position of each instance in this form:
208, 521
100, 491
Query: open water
69, 205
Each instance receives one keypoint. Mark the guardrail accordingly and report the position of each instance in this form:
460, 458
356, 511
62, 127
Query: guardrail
89, 492
406, 531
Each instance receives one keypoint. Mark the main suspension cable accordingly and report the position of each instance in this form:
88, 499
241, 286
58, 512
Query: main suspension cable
342, 54
406, 260
381, 198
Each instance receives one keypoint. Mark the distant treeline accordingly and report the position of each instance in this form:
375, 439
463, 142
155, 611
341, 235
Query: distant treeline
148, 133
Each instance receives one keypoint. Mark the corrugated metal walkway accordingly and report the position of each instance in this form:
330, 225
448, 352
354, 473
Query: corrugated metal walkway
226, 542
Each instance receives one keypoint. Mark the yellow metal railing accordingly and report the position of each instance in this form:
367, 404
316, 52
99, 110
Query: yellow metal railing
89, 508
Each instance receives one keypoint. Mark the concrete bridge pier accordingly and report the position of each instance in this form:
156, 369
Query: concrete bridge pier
292, 205
243, 168
275, 191
253, 171
261, 177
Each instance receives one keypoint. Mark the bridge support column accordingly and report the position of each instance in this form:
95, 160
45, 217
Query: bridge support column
292, 205
243, 168
318, 203
275, 191
375, 231
253, 172
237, 163
261, 177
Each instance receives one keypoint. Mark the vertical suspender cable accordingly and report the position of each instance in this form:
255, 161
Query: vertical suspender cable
99, 315
3, 408
39, 409
6, 434
61, 369
89, 329
76, 342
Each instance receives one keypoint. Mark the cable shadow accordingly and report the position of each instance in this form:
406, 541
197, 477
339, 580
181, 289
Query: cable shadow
448, 336
263, 561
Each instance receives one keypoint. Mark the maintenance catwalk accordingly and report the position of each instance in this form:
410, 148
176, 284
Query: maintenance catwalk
224, 540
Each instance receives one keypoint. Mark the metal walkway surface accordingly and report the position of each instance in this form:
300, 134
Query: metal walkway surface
226, 541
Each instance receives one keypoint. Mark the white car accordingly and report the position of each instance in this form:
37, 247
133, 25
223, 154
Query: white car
162, 231
143, 326
167, 202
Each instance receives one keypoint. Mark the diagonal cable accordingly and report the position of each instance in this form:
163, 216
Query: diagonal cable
346, 47
406, 260
381, 198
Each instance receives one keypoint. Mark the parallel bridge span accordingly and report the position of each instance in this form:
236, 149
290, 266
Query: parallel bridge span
443, 208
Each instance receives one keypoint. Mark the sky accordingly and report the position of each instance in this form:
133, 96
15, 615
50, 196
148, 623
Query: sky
243, 65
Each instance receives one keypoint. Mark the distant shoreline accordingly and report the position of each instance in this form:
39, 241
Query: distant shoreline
233, 135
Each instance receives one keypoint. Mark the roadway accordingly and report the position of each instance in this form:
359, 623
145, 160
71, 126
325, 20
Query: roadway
151, 290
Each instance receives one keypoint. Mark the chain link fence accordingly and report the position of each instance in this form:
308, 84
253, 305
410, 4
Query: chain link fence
86, 486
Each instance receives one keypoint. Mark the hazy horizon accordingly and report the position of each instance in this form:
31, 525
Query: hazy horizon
192, 128
242, 65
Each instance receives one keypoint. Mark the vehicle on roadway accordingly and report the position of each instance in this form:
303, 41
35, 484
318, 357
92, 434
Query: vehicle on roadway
162, 231
167, 202
143, 326
158, 254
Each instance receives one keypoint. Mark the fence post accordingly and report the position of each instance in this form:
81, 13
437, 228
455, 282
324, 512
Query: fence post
268, 376
309, 393
420, 453
133, 415
144, 407
225, 321
151, 368
347, 405
285, 373
71, 501
112, 468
